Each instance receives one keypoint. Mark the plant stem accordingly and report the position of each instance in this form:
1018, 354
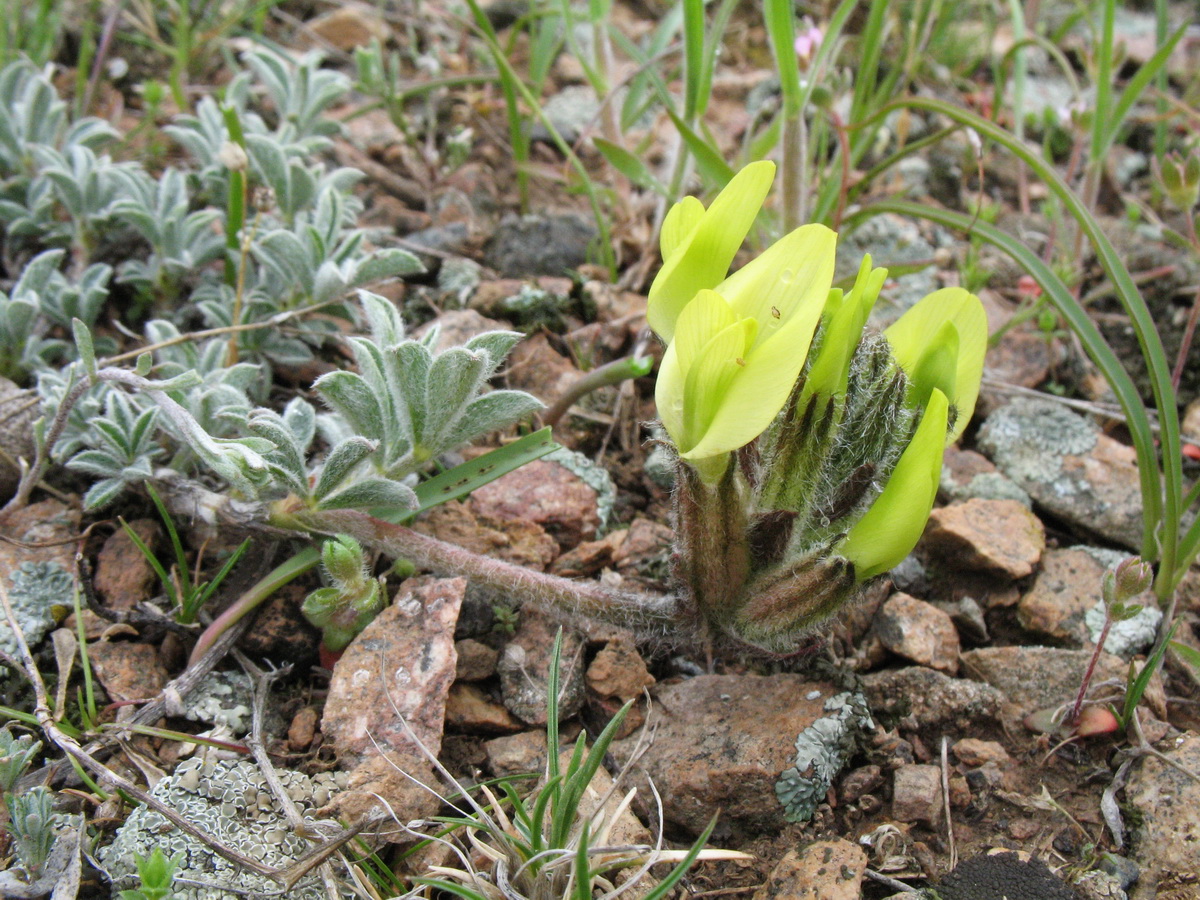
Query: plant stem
1077, 707
643, 612
635, 365
282, 574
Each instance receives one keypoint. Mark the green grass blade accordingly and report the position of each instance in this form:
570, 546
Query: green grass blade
1141, 79
630, 165
475, 473
661, 889
1133, 694
152, 560
1165, 502
694, 95
713, 168
200, 597
1102, 108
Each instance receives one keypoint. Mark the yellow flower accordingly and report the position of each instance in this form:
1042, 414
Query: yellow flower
940, 344
735, 346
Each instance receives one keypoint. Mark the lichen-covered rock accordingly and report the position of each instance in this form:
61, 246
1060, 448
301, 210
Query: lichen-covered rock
722, 743
1002, 875
821, 751
40, 594
1167, 841
230, 801
933, 699
1068, 467
824, 870
222, 698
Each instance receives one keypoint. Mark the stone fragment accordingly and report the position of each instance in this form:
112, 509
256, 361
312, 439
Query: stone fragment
539, 244
589, 557
967, 474
303, 729
128, 671
1064, 603
398, 670
470, 710
124, 577
724, 741
545, 493
967, 616
646, 548
919, 632
1167, 841
38, 579
1000, 537
349, 26
457, 326
824, 870
860, 782
975, 752
1068, 467
917, 794
19, 408
516, 754
933, 699
524, 668
513, 540
1065, 588
476, 660
618, 671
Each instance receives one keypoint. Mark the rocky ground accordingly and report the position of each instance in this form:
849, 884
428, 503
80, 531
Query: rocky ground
893, 749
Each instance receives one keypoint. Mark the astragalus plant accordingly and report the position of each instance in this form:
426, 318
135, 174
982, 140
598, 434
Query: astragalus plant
808, 451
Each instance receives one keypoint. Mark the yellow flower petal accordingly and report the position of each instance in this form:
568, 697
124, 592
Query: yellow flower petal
893, 525
701, 259
911, 334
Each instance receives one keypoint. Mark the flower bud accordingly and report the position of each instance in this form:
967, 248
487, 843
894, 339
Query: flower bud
1180, 180
233, 157
1128, 578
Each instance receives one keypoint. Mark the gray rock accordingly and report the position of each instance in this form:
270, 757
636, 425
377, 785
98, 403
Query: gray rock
1167, 841
917, 794
571, 111
933, 699
1035, 678
895, 240
1068, 467
539, 244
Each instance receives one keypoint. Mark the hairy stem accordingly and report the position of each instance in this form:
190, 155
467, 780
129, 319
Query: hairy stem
644, 613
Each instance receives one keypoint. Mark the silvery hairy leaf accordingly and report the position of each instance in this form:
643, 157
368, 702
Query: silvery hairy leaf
341, 462
373, 493
353, 398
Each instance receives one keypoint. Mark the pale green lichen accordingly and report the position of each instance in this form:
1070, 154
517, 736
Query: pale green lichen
1029, 438
230, 801
222, 698
821, 751
594, 476
40, 594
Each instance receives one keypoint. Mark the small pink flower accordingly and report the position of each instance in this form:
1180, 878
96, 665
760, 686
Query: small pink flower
808, 42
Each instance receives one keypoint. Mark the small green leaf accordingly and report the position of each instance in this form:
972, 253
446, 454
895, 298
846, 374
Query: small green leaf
83, 342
